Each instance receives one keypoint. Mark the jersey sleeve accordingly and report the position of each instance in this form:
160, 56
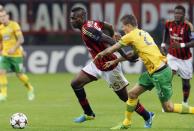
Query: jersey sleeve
92, 33
17, 29
126, 40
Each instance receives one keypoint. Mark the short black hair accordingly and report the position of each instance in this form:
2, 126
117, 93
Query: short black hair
129, 19
81, 11
180, 7
77, 9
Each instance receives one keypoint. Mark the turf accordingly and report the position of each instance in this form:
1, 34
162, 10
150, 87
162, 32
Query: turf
55, 106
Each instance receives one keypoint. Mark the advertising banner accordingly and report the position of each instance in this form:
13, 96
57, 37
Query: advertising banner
52, 59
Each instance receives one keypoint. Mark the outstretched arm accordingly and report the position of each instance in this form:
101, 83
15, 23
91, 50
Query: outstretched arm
164, 41
108, 51
111, 41
108, 29
130, 56
99, 36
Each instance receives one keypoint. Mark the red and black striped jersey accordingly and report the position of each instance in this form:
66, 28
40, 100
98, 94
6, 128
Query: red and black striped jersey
178, 33
91, 34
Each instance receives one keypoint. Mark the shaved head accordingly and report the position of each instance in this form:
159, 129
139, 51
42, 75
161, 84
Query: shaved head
78, 16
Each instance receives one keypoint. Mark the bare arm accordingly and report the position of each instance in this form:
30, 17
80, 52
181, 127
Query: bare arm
165, 36
190, 44
130, 56
111, 41
183, 45
108, 51
109, 28
99, 36
19, 42
165, 41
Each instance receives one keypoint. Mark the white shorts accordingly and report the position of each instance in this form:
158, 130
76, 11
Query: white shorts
115, 77
183, 67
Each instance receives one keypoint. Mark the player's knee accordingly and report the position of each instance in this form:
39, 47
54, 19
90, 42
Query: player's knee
168, 108
132, 95
123, 98
2, 72
75, 84
122, 94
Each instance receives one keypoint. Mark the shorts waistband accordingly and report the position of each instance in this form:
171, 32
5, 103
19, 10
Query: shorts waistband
162, 68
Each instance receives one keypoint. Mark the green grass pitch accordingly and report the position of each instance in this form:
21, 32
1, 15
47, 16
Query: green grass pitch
55, 106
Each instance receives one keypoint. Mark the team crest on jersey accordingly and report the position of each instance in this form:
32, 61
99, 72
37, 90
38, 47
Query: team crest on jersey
6, 37
170, 29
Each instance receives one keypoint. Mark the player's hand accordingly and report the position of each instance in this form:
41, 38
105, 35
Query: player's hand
109, 63
100, 55
133, 57
117, 36
163, 50
175, 45
11, 51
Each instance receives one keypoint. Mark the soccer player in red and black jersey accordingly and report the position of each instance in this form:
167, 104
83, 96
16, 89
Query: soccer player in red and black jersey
96, 41
180, 58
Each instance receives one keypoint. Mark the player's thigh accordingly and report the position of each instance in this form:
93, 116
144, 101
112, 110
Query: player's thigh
136, 91
92, 70
185, 69
163, 83
16, 64
115, 78
86, 75
82, 78
145, 81
4, 64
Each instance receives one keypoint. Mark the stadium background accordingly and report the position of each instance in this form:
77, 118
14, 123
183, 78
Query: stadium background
53, 46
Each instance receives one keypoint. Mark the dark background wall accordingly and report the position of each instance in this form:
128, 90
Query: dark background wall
46, 22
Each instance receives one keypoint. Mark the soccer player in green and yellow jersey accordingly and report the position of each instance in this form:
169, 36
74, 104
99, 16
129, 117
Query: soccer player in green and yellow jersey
158, 74
1, 25
11, 39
